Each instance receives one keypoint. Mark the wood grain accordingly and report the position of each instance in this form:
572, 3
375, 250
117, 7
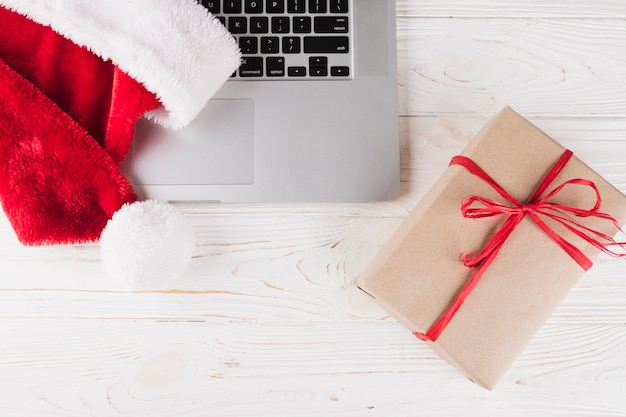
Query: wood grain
209, 368
539, 66
606, 9
267, 321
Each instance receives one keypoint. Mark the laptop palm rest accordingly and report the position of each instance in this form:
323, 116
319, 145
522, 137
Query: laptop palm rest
216, 148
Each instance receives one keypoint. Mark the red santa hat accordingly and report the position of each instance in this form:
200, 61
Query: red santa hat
75, 76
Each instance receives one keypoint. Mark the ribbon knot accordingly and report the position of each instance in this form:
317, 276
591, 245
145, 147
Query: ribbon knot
538, 208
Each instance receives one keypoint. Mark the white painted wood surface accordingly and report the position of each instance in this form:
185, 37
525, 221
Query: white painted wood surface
267, 321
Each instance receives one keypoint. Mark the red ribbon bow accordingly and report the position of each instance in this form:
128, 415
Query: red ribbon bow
536, 207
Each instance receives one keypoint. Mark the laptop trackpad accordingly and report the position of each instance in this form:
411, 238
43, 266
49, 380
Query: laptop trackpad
216, 148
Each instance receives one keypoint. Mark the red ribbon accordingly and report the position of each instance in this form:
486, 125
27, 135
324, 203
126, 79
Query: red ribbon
475, 207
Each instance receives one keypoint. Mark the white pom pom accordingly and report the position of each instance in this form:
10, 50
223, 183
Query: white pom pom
147, 244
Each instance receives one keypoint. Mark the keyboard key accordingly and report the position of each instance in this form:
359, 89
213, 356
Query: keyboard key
296, 6
302, 24
339, 6
254, 6
237, 25
270, 45
281, 25
318, 71
259, 25
330, 24
318, 6
249, 45
318, 61
232, 6
326, 44
275, 67
291, 45
340, 71
296, 71
276, 6
251, 67
212, 5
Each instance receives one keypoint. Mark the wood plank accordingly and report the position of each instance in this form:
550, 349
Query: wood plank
240, 283
546, 67
265, 296
611, 9
267, 369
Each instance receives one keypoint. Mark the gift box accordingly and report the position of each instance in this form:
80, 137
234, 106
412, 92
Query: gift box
495, 245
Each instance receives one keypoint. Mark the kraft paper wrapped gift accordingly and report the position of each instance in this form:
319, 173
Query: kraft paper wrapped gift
419, 275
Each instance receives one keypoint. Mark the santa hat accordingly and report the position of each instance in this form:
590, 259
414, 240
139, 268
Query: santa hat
75, 76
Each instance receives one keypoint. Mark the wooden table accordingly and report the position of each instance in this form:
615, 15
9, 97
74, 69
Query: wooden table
267, 321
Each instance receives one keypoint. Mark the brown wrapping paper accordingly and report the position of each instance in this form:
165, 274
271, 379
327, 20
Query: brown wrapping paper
418, 273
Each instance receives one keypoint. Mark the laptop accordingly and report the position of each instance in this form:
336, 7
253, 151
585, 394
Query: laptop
310, 116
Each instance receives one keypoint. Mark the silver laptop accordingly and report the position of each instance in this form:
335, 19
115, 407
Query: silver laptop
310, 116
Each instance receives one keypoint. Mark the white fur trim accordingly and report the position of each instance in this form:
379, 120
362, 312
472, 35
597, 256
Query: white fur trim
175, 48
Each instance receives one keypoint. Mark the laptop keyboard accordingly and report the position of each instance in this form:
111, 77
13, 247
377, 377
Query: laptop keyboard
289, 39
